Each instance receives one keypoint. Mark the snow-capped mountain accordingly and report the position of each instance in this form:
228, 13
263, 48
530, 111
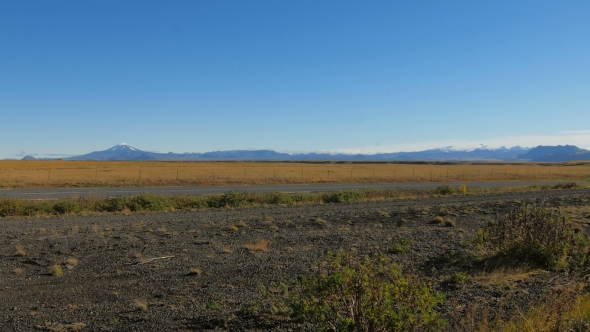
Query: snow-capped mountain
121, 151
122, 147
125, 151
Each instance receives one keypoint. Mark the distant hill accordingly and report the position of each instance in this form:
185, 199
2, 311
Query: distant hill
29, 158
559, 153
124, 151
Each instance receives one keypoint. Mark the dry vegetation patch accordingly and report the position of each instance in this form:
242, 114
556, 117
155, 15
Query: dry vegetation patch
157, 173
260, 245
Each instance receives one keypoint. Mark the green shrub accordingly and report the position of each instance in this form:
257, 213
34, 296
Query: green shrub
67, 206
213, 306
148, 202
189, 202
11, 207
342, 197
305, 198
399, 245
278, 198
274, 300
116, 204
445, 190
231, 198
37, 209
351, 294
567, 185
458, 278
536, 236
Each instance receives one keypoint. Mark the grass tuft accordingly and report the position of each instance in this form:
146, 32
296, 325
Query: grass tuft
260, 245
20, 250
438, 220
56, 270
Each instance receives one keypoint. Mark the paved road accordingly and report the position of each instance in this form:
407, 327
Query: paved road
62, 193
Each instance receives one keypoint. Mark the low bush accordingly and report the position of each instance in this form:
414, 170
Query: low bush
399, 245
445, 190
342, 197
566, 185
231, 198
66, 206
116, 204
37, 209
148, 202
189, 202
458, 278
535, 236
11, 207
278, 198
352, 293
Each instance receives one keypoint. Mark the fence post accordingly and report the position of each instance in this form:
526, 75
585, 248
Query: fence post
48, 174
139, 175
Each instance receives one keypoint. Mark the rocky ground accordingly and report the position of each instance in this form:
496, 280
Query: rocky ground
198, 270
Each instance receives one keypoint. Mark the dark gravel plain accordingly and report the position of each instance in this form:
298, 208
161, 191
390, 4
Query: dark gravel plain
198, 270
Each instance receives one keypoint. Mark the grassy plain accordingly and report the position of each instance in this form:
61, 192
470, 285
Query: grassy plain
60, 173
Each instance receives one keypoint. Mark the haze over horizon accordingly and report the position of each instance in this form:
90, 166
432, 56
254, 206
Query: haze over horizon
370, 77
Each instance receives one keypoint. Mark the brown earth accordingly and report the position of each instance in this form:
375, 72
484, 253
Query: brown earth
198, 270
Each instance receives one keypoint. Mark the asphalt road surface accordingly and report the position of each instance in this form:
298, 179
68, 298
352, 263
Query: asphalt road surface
102, 192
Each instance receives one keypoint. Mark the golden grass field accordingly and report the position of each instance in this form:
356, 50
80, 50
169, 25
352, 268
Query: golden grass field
58, 173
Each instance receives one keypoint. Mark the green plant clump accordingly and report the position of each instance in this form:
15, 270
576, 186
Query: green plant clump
66, 206
445, 190
458, 278
535, 236
343, 197
350, 293
399, 245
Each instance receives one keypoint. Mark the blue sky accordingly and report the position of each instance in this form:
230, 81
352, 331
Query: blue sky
362, 76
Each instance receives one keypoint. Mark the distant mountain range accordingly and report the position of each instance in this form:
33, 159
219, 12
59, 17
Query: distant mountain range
558, 153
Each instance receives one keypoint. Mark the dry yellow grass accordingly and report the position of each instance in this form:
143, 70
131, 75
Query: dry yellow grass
56, 270
261, 245
125, 173
140, 304
20, 250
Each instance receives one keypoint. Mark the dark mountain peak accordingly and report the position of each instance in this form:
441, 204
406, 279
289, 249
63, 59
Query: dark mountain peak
553, 153
29, 158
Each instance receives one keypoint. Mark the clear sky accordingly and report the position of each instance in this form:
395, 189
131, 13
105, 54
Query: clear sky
353, 76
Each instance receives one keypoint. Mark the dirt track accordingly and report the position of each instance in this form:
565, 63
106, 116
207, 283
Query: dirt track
112, 285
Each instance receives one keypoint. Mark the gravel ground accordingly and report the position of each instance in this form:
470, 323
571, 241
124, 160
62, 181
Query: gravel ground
196, 270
